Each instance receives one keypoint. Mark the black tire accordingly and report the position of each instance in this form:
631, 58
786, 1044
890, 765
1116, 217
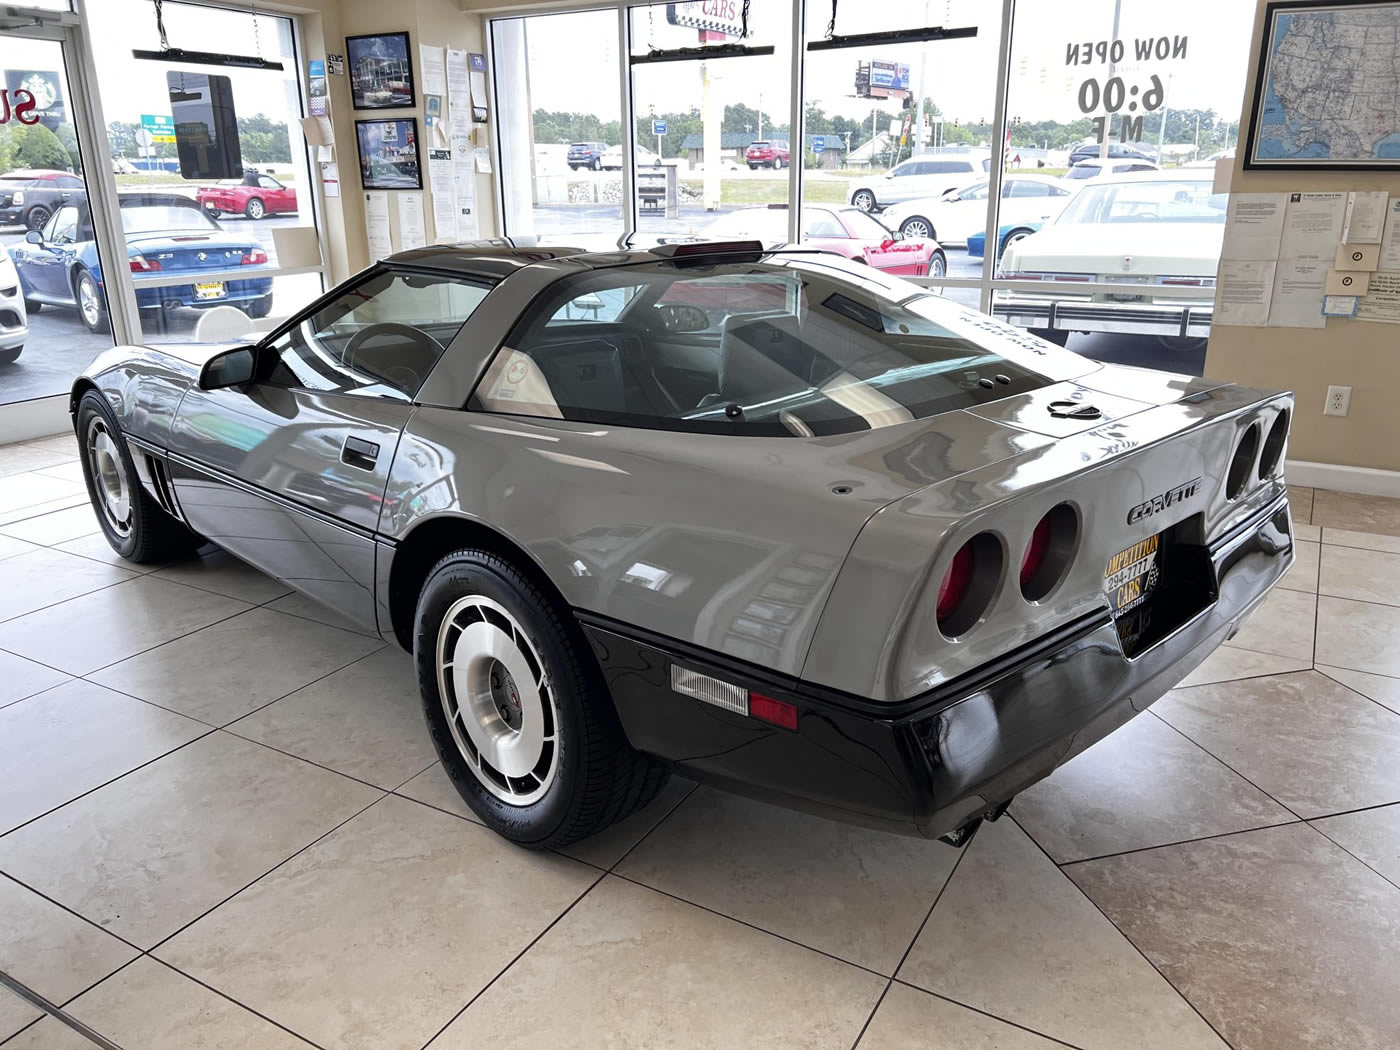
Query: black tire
151, 534
213, 213
753, 167
33, 307
596, 779
1058, 336
36, 216
255, 208
938, 265
777, 163
98, 320
597, 165
864, 200
10, 356
259, 307
1178, 345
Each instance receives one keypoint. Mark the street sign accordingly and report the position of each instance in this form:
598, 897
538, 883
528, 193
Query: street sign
161, 127
818, 143
144, 138
658, 127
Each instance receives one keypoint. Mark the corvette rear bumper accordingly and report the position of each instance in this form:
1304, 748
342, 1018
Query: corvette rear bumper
936, 762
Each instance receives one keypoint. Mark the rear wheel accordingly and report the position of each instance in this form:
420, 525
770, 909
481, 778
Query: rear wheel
254, 209
864, 200
777, 163
917, 226
92, 308
1058, 336
134, 523
213, 213
259, 307
1013, 237
1179, 345
36, 216
518, 708
938, 265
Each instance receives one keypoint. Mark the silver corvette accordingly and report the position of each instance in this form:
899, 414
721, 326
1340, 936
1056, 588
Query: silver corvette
768, 518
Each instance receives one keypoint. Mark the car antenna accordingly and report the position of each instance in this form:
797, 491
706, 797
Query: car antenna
734, 410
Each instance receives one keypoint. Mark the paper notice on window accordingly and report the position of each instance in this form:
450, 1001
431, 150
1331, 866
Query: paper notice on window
1390, 240
1382, 299
411, 231
377, 226
1242, 292
1365, 217
434, 73
464, 178
477, 64
459, 90
444, 195
1254, 225
1312, 227
1296, 301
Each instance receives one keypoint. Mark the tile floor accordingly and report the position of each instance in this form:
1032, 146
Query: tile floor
221, 826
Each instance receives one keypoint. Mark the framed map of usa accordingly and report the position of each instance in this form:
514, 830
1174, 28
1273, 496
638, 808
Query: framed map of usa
1328, 90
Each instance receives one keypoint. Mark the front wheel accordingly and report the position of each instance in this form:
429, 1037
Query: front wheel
92, 307
917, 226
32, 307
134, 523
10, 356
1058, 336
518, 708
254, 209
864, 200
938, 265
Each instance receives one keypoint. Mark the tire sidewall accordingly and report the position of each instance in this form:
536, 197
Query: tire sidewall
476, 572
93, 403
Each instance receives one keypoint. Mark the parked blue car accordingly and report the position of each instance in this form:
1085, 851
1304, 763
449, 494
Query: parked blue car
1011, 231
165, 233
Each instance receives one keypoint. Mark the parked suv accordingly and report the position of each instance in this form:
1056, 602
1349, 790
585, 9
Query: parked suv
765, 154
30, 197
587, 155
1116, 151
921, 176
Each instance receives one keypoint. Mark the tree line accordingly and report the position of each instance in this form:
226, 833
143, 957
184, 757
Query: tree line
261, 140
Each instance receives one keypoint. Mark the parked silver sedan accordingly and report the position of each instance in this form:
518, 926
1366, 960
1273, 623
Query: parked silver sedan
768, 518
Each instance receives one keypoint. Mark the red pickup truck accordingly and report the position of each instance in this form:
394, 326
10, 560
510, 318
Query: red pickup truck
257, 195
765, 154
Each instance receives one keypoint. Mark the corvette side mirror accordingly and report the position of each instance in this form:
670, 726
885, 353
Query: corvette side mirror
230, 368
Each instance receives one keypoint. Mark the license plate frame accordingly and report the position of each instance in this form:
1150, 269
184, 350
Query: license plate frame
1133, 574
206, 290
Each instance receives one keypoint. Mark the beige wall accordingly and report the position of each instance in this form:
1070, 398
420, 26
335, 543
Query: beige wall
1359, 354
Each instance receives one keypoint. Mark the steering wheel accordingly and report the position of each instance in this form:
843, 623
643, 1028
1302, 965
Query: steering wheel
404, 376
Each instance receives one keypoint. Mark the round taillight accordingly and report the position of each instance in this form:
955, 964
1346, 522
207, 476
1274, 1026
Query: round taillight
1242, 463
956, 580
1049, 552
1273, 445
968, 584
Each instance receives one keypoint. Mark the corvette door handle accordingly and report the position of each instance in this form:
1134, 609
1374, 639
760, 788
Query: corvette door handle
357, 452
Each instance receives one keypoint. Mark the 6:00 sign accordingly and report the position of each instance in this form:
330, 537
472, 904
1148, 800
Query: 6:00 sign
1113, 94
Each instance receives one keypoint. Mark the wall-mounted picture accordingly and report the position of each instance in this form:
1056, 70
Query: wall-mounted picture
389, 154
381, 71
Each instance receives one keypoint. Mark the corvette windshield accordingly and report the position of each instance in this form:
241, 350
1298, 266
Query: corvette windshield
789, 346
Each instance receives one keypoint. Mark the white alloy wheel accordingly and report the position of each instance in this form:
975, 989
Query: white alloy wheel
109, 475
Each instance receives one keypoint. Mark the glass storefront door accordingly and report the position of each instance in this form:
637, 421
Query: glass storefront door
52, 282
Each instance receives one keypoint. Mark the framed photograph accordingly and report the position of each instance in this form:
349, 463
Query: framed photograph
389, 154
1309, 112
381, 71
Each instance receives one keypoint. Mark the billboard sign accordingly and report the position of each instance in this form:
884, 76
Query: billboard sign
891, 76
714, 16
161, 127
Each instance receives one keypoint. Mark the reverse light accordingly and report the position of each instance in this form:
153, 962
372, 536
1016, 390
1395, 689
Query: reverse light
733, 697
140, 264
256, 257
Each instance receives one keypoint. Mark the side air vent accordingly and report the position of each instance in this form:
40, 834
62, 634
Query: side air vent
160, 481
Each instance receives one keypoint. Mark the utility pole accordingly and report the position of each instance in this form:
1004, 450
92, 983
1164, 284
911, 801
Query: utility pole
919, 113
1108, 119
760, 114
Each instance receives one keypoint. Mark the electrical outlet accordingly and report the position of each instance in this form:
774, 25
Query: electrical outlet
1338, 401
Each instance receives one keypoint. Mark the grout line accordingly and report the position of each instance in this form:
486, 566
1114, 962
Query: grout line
63, 907
1182, 995
36, 1000
225, 995
1353, 689
1350, 854
1062, 864
694, 786
995, 1017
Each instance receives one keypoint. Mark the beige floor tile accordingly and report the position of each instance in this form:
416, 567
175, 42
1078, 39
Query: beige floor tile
11, 547
222, 573
75, 736
95, 546
1372, 835
65, 441
235, 666
1302, 574
1313, 744
629, 967
1146, 785
46, 577
151, 852
911, 1019
1282, 625
49, 951
855, 893
18, 459
15, 1014
21, 678
70, 470
1356, 512
1361, 636
53, 522
1013, 937
19, 491
117, 623
1300, 499
379, 933
433, 787
1362, 575
149, 1006
296, 604
1276, 936
1365, 540
610, 845
1228, 663
365, 720
1380, 688
1306, 533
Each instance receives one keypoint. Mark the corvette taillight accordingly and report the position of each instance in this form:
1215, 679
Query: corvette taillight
968, 584
955, 583
1273, 445
1049, 552
1036, 549
1242, 463
255, 257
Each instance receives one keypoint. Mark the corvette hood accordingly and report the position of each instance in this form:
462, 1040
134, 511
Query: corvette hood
1149, 249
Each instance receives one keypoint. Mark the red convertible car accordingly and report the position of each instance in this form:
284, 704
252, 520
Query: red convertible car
836, 228
257, 195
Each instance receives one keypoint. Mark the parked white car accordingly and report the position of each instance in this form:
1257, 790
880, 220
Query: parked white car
14, 315
957, 214
1098, 169
612, 157
927, 175
1137, 240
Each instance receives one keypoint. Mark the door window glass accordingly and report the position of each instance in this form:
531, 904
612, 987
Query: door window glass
381, 338
62, 227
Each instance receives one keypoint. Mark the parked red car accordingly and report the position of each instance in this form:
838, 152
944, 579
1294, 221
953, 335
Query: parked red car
765, 154
837, 228
257, 195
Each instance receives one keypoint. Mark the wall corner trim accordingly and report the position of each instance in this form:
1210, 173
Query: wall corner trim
1342, 478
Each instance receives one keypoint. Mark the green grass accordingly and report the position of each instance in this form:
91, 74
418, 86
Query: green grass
771, 191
